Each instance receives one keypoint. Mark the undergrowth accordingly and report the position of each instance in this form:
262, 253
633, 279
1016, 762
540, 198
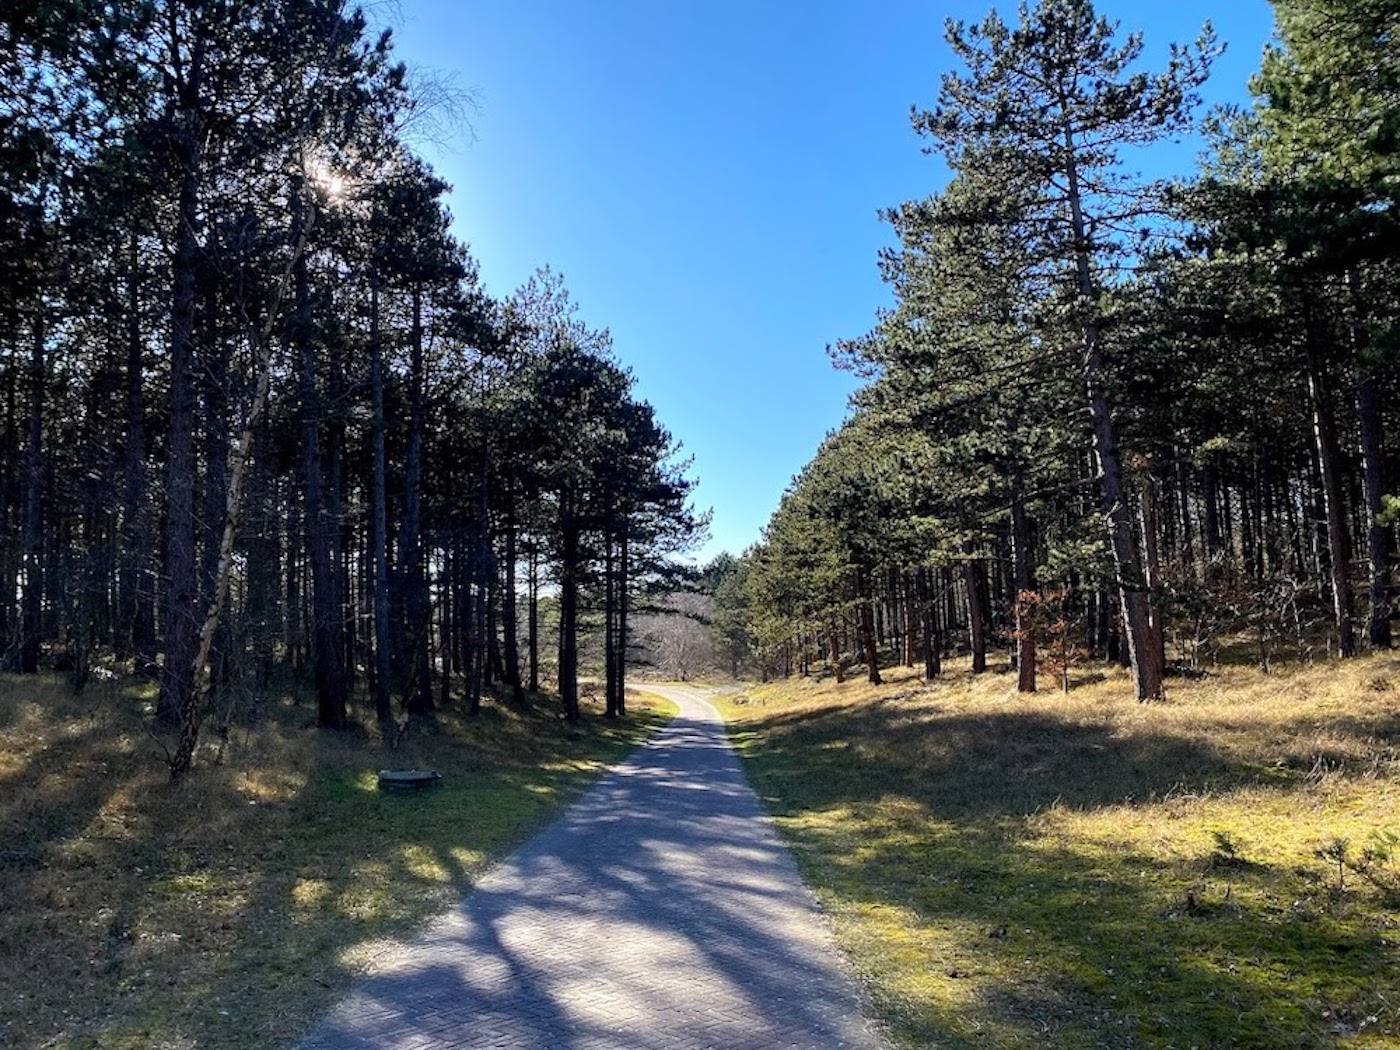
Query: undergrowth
231, 911
1085, 871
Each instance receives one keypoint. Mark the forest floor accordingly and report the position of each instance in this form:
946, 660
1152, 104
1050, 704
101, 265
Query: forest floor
1072, 871
231, 911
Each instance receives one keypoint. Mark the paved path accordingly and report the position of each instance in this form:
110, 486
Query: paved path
661, 911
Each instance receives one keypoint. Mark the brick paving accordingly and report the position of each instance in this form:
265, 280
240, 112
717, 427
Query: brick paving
661, 912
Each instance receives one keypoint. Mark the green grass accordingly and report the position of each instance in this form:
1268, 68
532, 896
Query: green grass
1084, 871
232, 911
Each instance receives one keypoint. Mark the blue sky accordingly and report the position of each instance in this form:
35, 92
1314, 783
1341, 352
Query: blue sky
707, 178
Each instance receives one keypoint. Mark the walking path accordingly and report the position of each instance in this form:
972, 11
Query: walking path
661, 911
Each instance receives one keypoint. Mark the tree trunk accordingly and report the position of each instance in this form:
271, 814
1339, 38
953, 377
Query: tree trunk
181, 570
910, 617
933, 643
472, 662
1143, 647
419, 694
609, 631
1152, 564
446, 634
1210, 500
332, 699
481, 623
379, 528
867, 628
11, 518
264, 562
339, 525
31, 611
624, 569
568, 611
295, 626
484, 580
1373, 480
976, 578
1325, 439
532, 628
1187, 546
1025, 586
214, 496
1263, 560
495, 666
136, 634
509, 614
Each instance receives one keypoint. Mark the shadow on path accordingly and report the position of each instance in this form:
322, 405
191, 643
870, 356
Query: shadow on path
661, 911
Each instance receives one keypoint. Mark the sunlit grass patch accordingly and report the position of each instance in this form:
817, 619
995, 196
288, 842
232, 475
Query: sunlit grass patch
1077, 871
232, 911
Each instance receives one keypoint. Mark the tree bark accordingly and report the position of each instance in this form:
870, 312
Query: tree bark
976, 578
472, 649
31, 611
1334, 513
136, 633
932, 642
332, 699
624, 569
337, 523
495, 665
609, 631
568, 610
181, 571
445, 653
419, 694
1152, 564
1025, 585
1138, 613
532, 628
910, 617
868, 640
379, 528
1210, 500
1373, 481
509, 612
215, 422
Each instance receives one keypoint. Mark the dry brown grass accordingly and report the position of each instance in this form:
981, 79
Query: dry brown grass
230, 911
1082, 870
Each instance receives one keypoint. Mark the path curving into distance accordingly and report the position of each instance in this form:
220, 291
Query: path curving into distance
661, 912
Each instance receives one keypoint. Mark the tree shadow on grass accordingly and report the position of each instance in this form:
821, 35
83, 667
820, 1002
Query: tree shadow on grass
342, 871
66, 875
220, 913
997, 763
1078, 948
1038, 937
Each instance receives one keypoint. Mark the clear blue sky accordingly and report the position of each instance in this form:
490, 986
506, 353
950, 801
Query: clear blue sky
707, 177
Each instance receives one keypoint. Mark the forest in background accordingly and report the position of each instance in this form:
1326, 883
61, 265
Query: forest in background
1108, 418
259, 414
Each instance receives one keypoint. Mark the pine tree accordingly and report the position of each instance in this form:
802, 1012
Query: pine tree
1054, 99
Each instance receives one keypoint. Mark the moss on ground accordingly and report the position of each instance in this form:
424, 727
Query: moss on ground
1084, 871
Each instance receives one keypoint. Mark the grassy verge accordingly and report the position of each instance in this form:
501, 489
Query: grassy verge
232, 911
1084, 871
